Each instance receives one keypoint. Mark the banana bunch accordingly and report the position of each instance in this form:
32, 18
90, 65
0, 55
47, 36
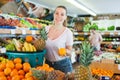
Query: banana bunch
28, 47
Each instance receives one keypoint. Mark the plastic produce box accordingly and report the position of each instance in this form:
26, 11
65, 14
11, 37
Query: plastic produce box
35, 58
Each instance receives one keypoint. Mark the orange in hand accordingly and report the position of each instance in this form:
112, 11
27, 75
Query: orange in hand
62, 51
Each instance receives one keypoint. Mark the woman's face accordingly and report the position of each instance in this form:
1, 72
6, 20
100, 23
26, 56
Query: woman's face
59, 15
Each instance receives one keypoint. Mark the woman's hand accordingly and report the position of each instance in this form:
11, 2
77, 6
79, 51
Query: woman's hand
68, 50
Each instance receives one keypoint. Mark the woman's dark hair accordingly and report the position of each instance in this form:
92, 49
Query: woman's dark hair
65, 22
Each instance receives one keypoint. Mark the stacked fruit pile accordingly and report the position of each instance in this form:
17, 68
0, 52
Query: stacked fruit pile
102, 72
46, 72
17, 45
25, 45
15, 70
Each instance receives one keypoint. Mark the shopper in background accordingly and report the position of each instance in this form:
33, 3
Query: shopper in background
95, 39
59, 36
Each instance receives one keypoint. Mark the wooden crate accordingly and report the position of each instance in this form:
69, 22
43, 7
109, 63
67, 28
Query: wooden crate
106, 65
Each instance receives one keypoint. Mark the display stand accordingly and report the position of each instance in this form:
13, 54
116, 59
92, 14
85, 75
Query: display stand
34, 58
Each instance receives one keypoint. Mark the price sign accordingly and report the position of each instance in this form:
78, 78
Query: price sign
23, 31
112, 33
118, 33
33, 32
102, 33
12, 31
85, 33
75, 33
118, 66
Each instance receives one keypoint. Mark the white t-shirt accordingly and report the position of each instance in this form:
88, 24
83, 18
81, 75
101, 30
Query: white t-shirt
95, 40
52, 46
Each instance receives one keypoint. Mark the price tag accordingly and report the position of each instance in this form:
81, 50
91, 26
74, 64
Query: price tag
118, 33
118, 66
111, 33
75, 33
23, 31
3, 50
33, 32
85, 33
113, 42
102, 33
12, 31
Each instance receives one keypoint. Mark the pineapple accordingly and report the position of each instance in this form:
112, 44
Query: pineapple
82, 72
39, 74
40, 42
56, 75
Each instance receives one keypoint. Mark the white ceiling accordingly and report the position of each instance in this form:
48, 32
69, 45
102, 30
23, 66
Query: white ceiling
98, 6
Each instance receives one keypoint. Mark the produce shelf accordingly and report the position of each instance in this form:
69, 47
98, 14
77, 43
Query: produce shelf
103, 33
18, 31
78, 42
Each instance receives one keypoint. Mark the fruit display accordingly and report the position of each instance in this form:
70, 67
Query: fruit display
88, 26
28, 47
111, 28
15, 70
41, 72
102, 72
26, 44
16, 45
46, 73
14, 22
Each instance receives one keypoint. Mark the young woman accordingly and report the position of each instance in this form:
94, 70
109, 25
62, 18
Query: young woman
59, 36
